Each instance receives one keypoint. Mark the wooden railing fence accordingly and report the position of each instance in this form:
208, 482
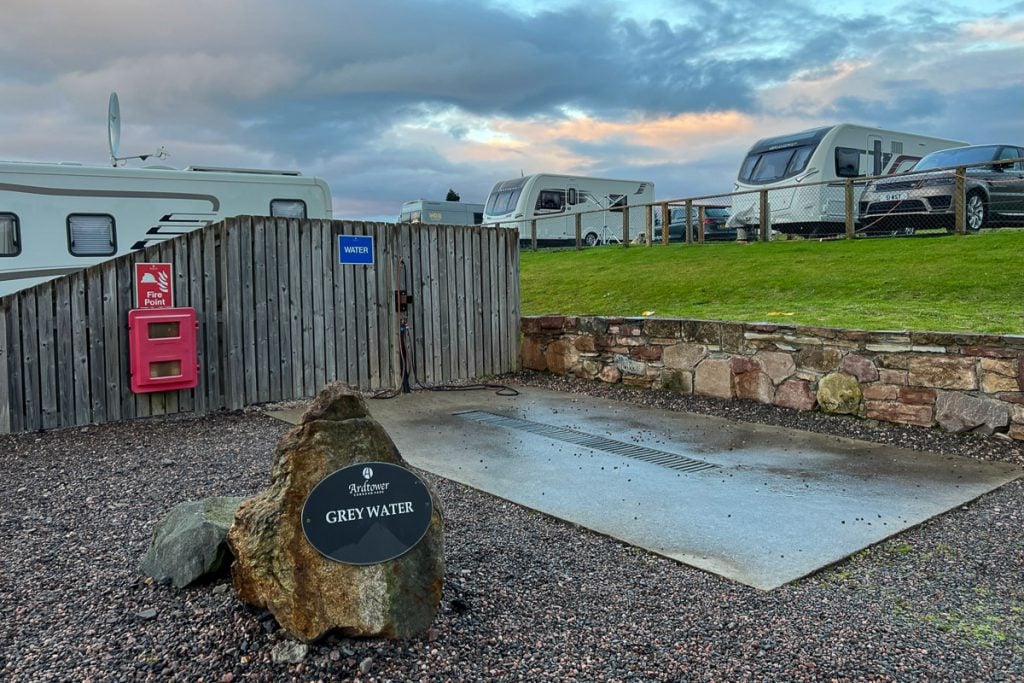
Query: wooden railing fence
278, 318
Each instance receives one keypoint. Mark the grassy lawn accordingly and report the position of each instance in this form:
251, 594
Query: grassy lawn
973, 283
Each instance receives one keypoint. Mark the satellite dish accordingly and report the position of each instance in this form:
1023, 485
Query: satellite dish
114, 127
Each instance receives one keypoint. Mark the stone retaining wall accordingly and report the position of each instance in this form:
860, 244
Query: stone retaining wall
959, 382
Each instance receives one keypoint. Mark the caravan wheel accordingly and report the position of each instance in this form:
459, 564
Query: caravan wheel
590, 239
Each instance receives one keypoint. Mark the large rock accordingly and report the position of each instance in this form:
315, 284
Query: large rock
795, 394
839, 393
713, 377
277, 568
959, 412
190, 542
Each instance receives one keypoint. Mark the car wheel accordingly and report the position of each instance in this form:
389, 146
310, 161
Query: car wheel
975, 212
591, 239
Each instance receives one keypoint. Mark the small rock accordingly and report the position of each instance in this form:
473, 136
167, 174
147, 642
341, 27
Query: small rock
166, 462
147, 614
220, 589
289, 652
227, 678
366, 665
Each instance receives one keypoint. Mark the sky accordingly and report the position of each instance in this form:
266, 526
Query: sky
393, 100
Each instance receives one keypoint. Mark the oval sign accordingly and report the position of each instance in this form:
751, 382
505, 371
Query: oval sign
367, 513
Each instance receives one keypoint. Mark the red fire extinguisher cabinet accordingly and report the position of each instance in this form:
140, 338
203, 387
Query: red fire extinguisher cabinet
162, 349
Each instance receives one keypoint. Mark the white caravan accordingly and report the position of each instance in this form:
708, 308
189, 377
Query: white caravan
444, 213
822, 158
58, 218
555, 200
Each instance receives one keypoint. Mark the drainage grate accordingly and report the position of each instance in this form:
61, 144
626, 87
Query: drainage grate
664, 458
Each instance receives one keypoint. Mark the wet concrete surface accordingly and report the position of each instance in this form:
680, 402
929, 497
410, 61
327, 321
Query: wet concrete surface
777, 504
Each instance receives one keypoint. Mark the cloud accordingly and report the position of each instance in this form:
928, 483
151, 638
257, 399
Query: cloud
397, 99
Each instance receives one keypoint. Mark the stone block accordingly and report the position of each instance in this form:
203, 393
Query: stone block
732, 337
887, 376
647, 353
561, 356
992, 383
529, 325
532, 354
1017, 413
839, 393
960, 412
741, 365
942, 372
1016, 432
881, 392
820, 359
585, 344
610, 374
663, 328
755, 386
702, 332
894, 411
683, 356
777, 365
989, 351
628, 366
860, 367
795, 394
677, 380
1000, 366
633, 381
588, 369
917, 395
552, 322
1011, 397
713, 377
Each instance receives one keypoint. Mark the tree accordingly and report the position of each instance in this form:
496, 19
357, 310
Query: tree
453, 196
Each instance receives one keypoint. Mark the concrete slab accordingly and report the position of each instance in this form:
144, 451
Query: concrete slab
774, 505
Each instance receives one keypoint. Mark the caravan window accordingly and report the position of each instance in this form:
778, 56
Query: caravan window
10, 237
503, 202
91, 234
550, 200
616, 202
847, 162
288, 208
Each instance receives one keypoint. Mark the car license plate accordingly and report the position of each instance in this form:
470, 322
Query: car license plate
894, 196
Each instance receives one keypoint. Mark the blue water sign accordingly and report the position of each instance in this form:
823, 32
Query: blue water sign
355, 250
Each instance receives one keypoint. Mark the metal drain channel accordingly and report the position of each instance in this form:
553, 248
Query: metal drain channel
664, 458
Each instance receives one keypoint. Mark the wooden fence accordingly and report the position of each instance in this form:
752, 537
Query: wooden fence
278, 318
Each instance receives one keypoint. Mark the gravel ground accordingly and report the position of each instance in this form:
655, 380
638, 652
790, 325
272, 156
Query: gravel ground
526, 597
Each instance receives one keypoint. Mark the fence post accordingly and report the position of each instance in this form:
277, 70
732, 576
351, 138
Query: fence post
688, 217
625, 226
700, 224
664, 224
649, 225
533, 234
959, 203
579, 231
764, 216
850, 228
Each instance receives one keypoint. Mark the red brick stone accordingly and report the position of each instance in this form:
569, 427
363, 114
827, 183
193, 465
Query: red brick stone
646, 353
892, 376
532, 355
917, 395
881, 392
743, 364
795, 394
893, 411
1011, 397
